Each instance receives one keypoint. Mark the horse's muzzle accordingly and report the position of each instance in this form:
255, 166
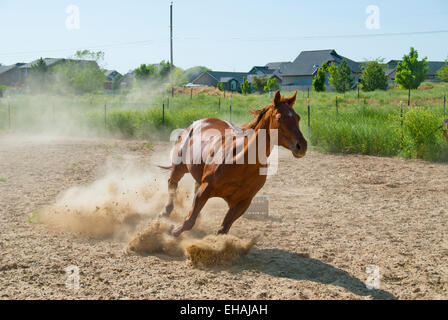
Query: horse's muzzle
299, 151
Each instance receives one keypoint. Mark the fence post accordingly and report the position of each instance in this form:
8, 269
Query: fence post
219, 104
409, 97
9, 115
444, 105
163, 113
105, 114
401, 120
230, 108
309, 113
191, 94
337, 111
168, 103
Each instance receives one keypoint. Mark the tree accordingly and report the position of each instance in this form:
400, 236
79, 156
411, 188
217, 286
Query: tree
157, 72
145, 72
271, 85
163, 69
260, 82
442, 73
38, 75
83, 74
373, 76
220, 86
410, 72
341, 77
245, 86
182, 77
320, 78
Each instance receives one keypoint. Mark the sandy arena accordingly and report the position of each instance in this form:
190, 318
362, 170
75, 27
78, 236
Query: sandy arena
331, 216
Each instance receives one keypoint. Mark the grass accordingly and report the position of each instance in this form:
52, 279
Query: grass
370, 125
2, 179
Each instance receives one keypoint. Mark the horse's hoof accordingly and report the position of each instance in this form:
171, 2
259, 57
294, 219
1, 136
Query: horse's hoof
175, 232
163, 215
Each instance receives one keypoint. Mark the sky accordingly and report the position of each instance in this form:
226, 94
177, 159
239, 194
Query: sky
231, 35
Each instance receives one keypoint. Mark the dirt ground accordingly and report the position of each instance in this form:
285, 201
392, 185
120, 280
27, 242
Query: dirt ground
331, 216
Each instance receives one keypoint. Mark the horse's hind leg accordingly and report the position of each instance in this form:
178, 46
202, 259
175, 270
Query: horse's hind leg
233, 214
177, 172
201, 197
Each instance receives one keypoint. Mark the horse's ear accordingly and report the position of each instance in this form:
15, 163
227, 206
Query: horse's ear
292, 100
277, 98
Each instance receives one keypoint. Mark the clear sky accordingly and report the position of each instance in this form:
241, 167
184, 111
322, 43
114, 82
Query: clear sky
231, 35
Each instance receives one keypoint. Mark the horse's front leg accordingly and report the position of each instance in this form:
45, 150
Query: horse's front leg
235, 211
177, 172
201, 197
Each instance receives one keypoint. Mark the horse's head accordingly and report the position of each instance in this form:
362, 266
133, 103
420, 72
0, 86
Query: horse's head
286, 121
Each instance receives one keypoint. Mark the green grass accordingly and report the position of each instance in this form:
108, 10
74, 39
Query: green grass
2, 179
370, 125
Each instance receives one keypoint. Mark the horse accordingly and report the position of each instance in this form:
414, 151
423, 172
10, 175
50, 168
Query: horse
227, 161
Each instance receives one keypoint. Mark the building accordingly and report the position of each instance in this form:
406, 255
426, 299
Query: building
299, 74
113, 79
431, 75
230, 80
10, 75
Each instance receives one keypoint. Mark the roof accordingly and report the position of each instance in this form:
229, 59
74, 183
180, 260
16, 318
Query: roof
433, 66
265, 69
308, 62
223, 76
4, 69
112, 72
48, 62
276, 65
251, 77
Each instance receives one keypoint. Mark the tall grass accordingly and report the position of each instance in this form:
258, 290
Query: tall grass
370, 125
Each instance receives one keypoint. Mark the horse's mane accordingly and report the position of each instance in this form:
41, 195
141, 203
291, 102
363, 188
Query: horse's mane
259, 114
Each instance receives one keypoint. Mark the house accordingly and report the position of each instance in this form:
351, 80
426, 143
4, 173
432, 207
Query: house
230, 80
299, 74
10, 75
431, 75
127, 81
24, 69
113, 79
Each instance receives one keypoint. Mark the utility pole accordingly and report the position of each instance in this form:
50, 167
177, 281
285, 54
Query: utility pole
171, 49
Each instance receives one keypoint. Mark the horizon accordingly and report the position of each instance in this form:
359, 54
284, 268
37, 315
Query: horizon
131, 35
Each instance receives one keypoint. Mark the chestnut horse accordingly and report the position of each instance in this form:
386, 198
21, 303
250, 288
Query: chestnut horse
201, 148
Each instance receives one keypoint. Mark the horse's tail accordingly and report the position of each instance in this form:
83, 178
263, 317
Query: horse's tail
165, 168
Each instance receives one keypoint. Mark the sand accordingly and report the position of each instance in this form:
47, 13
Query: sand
331, 216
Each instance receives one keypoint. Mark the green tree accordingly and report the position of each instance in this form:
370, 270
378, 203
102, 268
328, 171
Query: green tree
410, 72
182, 77
341, 77
83, 74
320, 78
271, 85
145, 72
245, 86
38, 75
373, 76
260, 82
220, 86
442, 73
163, 69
